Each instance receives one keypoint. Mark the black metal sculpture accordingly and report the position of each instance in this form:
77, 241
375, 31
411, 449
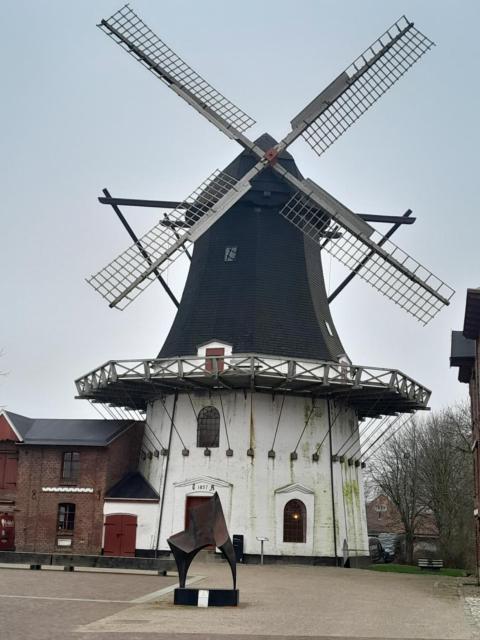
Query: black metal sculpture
206, 527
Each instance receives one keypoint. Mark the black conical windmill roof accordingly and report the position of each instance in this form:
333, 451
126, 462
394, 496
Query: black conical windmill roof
271, 298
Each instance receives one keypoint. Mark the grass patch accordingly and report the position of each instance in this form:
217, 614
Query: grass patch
408, 568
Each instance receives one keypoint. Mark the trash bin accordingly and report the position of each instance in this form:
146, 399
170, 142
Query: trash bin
237, 541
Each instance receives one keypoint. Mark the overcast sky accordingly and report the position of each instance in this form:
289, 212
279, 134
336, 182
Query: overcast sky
79, 114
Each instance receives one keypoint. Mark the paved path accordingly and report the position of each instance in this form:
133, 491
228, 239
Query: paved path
49, 604
279, 602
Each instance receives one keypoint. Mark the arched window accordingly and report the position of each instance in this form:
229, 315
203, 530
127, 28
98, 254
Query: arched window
208, 427
294, 522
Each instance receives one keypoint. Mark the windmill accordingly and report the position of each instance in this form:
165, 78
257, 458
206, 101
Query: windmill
253, 360
345, 235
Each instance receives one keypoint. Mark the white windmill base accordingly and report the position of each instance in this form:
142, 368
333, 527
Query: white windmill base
254, 489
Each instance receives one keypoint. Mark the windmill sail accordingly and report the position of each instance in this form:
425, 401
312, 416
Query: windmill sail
355, 90
123, 279
129, 31
387, 268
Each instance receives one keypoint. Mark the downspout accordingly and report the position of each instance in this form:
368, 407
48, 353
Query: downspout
162, 499
331, 481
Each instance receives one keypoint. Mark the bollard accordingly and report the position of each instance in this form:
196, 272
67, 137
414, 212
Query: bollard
261, 539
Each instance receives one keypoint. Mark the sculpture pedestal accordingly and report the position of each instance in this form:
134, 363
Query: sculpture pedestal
207, 597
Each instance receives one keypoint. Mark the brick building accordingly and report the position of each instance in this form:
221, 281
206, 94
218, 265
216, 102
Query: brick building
465, 354
383, 521
54, 475
383, 517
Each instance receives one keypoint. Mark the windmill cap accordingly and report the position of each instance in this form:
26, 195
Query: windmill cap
264, 181
266, 142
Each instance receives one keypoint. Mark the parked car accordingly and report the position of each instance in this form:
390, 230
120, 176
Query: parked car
377, 552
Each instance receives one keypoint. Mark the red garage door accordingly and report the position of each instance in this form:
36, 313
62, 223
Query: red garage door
120, 535
7, 532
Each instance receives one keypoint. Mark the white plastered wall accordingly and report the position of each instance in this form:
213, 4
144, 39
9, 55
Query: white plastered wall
250, 488
147, 517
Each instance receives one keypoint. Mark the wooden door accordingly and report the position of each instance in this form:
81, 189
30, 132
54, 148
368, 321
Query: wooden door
129, 535
120, 535
209, 364
191, 502
7, 532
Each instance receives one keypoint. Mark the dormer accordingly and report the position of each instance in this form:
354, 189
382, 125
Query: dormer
214, 352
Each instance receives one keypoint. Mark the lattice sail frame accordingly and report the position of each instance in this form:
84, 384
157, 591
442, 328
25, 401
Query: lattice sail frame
375, 71
128, 30
421, 293
320, 123
161, 242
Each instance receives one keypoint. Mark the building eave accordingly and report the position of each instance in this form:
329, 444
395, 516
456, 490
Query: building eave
471, 324
152, 500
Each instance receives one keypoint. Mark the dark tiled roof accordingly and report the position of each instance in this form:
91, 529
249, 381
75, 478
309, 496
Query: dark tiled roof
133, 486
462, 349
271, 299
47, 431
20, 423
462, 355
471, 326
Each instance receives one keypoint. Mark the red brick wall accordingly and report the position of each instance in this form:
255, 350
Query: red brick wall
36, 510
383, 517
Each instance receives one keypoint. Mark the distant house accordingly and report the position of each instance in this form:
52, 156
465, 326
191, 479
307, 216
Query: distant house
54, 476
383, 521
383, 517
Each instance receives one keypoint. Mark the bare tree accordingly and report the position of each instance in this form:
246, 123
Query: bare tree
446, 479
395, 470
427, 468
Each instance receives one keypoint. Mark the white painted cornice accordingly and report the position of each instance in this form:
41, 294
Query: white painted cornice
202, 480
294, 488
67, 489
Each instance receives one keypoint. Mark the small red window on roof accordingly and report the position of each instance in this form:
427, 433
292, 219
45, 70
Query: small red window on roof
214, 364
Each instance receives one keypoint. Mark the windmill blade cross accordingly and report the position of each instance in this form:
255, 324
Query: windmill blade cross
385, 266
311, 209
355, 90
123, 279
128, 30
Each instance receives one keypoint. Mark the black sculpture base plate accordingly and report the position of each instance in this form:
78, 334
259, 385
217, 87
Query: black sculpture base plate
207, 597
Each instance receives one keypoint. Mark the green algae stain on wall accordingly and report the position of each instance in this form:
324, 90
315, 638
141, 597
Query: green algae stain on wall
351, 492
